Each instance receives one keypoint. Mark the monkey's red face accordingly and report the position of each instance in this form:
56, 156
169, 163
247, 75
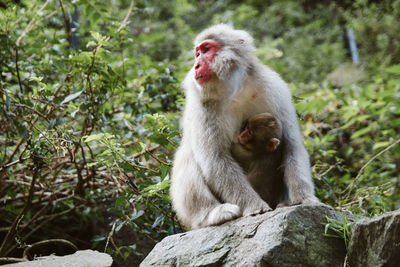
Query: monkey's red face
205, 54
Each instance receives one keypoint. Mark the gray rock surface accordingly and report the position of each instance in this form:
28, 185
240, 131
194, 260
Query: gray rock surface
376, 241
289, 236
81, 258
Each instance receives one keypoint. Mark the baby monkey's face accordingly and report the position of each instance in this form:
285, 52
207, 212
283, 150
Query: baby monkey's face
261, 133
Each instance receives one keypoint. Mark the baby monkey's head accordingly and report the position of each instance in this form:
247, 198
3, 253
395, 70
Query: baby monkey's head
261, 133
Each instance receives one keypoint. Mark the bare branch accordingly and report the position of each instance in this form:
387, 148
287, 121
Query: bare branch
66, 23
31, 24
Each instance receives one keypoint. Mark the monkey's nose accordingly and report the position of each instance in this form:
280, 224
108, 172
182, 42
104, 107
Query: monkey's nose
197, 66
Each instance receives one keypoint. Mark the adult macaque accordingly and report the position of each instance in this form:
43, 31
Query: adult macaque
259, 152
227, 85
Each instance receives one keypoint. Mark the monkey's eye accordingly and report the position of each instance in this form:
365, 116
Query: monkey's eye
197, 54
204, 48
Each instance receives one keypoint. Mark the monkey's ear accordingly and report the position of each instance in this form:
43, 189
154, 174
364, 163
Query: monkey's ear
273, 144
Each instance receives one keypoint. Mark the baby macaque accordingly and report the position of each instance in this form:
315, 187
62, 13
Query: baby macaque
259, 153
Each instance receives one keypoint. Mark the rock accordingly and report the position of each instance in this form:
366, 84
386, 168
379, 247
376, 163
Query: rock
81, 258
289, 236
376, 241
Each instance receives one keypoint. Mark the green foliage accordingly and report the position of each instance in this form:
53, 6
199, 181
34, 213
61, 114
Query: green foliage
374, 26
90, 108
339, 229
344, 128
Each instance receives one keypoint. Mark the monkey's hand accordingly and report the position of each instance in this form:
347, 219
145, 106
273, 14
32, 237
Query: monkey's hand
252, 211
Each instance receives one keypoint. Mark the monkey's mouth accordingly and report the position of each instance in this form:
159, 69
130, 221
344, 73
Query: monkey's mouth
203, 78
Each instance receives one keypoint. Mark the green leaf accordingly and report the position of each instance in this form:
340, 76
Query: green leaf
297, 99
361, 132
119, 226
95, 17
158, 221
91, 43
360, 118
93, 137
137, 215
350, 111
98, 238
71, 97
164, 170
395, 69
97, 36
378, 145
51, 124
73, 113
157, 187
36, 79
142, 147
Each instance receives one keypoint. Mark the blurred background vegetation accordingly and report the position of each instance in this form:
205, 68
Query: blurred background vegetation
90, 103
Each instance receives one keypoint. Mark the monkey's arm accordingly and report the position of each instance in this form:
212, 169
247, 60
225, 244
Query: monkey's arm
223, 175
297, 171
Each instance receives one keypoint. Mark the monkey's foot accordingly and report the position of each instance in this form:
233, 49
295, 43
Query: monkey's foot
283, 204
309, 200
223, 213
264, 209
